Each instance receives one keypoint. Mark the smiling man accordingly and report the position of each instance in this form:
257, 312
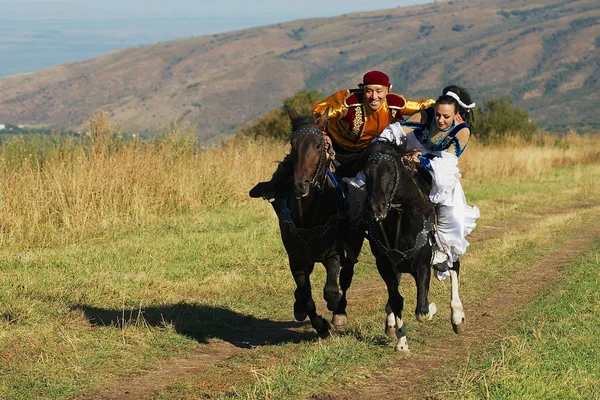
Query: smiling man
356, 117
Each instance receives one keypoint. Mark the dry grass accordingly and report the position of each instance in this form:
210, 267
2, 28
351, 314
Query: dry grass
61, 190
518, 159
80, 189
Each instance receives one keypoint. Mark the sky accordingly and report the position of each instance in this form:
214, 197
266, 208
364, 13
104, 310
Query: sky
74, 9
36, 34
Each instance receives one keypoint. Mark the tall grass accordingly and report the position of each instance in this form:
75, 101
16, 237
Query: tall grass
59, 189
519, 159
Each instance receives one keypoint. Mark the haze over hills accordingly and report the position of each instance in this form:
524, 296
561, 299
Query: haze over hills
544, 54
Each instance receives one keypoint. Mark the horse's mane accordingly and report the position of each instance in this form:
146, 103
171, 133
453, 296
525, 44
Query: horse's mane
379, 148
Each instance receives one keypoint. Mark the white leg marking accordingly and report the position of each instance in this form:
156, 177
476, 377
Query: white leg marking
432, 310
458, 314
390, 319
390, 322
430, 313
402, 344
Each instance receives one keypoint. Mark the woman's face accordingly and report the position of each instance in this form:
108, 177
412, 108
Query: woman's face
444, 115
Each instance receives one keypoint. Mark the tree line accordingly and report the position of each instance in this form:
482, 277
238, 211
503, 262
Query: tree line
496, 120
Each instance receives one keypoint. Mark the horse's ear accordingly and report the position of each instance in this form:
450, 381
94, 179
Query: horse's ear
292, 113
321, 119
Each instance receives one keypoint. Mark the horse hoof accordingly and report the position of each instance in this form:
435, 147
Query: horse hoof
339, 319
429, 316
390, 331
300, 316
460, 327
324, 332
433, 310
422, 317
402, 349
324, 335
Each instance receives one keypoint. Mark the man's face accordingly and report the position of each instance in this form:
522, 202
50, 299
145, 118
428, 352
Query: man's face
374, 95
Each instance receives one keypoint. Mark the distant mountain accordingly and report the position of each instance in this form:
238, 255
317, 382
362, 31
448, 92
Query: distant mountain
542, 53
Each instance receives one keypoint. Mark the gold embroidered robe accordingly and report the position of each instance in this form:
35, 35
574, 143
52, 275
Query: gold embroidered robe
353, 125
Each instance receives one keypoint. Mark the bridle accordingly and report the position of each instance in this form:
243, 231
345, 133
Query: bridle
377, 158
315, 232
421, 239
318, 179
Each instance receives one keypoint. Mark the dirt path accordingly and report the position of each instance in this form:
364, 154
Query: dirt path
484, 321
408, 379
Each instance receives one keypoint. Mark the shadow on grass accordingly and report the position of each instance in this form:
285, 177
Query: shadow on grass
201, 322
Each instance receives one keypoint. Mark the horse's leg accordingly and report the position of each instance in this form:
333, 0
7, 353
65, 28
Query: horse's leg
390, 318
340, 317
305, 304
457, 317
395, 303
331, 291
424, 310
300, 295
390, 321
349, 258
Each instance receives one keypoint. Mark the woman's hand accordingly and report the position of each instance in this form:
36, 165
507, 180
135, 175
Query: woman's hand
415, 156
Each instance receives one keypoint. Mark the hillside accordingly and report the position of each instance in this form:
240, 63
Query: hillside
544, 54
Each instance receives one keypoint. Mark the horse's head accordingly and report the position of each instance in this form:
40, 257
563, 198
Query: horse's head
382, 171
309, 152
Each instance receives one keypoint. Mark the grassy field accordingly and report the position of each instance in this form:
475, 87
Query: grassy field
551, 352
122, 257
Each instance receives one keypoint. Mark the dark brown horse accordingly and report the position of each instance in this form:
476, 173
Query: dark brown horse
400, 223
314, 225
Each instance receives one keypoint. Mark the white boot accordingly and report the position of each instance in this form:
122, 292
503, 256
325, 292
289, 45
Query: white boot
441, 262
439, 256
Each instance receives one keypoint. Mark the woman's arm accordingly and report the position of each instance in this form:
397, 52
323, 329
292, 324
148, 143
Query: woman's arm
459, 142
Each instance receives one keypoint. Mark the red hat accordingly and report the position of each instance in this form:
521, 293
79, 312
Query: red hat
376, 78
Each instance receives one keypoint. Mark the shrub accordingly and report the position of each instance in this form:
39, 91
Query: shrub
426, 29
276, 123
499, 119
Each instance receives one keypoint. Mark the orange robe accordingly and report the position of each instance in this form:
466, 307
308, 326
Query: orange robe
353, 125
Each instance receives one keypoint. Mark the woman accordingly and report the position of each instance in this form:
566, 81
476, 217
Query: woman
438, 136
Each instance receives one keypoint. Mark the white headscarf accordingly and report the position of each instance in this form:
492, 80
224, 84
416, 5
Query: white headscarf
460, 102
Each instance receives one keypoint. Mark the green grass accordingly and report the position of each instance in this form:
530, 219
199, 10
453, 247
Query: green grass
77, 318
552, 351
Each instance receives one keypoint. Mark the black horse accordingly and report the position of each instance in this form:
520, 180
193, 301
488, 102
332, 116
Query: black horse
314, 225
400, 226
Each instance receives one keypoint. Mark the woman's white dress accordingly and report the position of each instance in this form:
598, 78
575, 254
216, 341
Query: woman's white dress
456, 219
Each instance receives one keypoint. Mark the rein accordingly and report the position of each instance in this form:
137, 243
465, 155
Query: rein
307, 235
395, 255
312, 130
377, 158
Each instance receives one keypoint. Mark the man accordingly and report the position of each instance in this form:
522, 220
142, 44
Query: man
355, 118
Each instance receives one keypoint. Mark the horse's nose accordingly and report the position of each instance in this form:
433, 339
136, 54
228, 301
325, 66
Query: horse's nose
379, 210
302, 188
